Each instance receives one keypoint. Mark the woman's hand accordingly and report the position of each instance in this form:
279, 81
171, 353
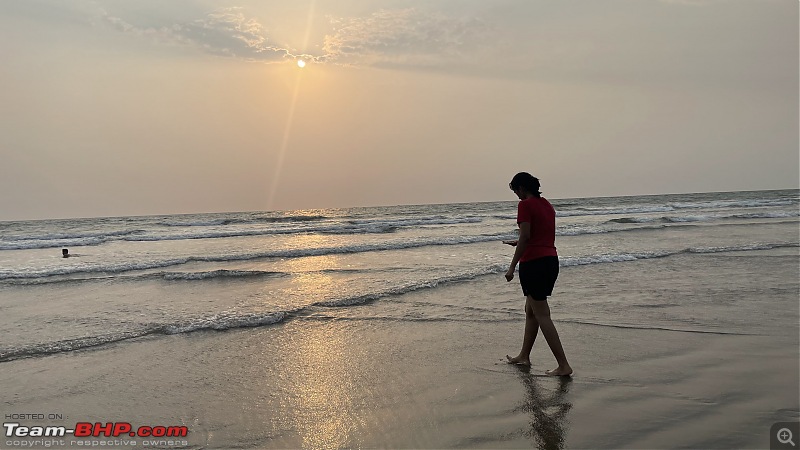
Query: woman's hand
511, 243
510, 274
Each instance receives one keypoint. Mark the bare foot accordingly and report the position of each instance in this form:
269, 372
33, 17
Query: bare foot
560, 371
519, 360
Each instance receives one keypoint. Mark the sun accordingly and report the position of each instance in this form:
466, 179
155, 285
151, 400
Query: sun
301, 63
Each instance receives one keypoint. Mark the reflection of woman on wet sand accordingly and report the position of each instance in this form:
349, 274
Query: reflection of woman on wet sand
548, 413
538, 269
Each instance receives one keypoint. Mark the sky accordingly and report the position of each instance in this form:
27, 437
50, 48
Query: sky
119, 108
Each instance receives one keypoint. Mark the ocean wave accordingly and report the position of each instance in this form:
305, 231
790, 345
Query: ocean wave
77, 235
613, 211
418, 221
55, 240
379, 229
687, 219
68, 345
85, 268
350, 227
221, 273
226, 321
577, 230
61, 240
741, 248
323, 318
568, 261
634, 220
767, 215
664, 219
296, 253
707, 217
410, 287
11, 274
30, 244
199, 223
169, 276
153, 235
233, 320
219, 322
717, 204
233, 221
668, 207
390, 226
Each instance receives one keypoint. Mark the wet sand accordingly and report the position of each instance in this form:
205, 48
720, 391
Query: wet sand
314, 382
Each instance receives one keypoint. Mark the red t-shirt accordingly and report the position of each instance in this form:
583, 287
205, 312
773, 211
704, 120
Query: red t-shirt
538, 212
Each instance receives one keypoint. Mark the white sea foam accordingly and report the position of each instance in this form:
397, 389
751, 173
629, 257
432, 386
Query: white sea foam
292, 253
568, 261
218, 322
573, 230
767, 215
121, 264
238, 220
193, 230
708, 217
613, 211
756, 203
25, 272
225, 228
235, 319
75, 235
685, 219
29, 244
221, 273
226, 321
417, 221
414, 286
669, 207
169, 276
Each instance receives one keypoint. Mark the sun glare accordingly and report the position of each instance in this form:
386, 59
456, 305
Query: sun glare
301, 63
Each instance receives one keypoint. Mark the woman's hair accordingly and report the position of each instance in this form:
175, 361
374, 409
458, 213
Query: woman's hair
526, 181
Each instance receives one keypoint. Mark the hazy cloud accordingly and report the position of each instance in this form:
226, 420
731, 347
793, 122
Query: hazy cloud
402, 36
225, 32
399, 37
706, 2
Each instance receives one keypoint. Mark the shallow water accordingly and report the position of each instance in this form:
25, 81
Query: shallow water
162, 275
386, 327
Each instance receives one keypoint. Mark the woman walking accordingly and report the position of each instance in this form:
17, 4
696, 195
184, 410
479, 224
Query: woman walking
538, 269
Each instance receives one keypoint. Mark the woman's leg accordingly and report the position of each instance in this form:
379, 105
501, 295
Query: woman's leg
531, 330
542, 312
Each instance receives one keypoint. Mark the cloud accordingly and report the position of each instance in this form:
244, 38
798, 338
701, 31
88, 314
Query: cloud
406, 36
223, 32
704, 2
387, 37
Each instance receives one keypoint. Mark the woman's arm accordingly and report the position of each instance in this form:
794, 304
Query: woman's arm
524, 237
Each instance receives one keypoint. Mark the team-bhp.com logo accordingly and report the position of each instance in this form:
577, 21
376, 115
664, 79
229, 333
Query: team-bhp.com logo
97, 429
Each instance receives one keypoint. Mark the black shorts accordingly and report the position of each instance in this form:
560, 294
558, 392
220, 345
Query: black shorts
538, 276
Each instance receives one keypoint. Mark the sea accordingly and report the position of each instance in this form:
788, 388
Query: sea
158, 276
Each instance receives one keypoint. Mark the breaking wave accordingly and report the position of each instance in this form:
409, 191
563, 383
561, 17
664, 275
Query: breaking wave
234, 320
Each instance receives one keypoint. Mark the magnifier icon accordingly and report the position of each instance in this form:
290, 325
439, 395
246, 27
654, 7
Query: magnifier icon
785, 436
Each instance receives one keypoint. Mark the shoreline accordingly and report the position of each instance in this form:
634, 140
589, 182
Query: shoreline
408, 384
426, 368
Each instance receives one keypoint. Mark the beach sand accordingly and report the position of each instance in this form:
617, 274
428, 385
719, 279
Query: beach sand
361, 377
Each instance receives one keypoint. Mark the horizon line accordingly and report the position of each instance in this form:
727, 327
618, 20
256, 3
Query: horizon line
387, 206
